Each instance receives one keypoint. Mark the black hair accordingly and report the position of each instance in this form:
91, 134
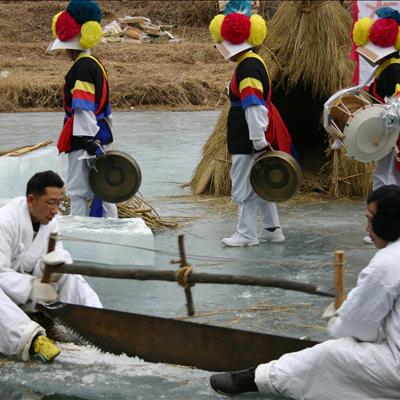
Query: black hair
386, 221
41, 180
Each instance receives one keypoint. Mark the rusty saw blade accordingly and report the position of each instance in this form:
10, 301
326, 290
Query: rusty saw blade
157, 339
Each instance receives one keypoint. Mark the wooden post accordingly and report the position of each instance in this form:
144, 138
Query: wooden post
46, 278
188, 292
339, 264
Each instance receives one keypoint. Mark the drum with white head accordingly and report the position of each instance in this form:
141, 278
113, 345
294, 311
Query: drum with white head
355, 118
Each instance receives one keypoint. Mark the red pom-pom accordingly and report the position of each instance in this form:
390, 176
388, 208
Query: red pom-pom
384, 32
235, 28
66, 27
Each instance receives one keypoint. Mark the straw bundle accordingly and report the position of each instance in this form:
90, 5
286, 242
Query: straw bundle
136, 207
308, 42
307, 45
212, 173
348, 178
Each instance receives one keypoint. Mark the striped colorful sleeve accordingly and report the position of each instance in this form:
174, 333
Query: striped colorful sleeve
83, 96
86, 85
253, 83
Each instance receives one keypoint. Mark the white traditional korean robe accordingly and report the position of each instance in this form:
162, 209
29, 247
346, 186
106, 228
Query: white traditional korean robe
20, 264
363, 362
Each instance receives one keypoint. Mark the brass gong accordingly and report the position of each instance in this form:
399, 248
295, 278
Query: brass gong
115, 176
276, 176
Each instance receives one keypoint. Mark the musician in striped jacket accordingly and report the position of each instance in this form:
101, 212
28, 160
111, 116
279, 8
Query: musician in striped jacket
88, 118
254, 124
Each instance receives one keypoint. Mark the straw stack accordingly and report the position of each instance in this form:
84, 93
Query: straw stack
136, 207
308, 44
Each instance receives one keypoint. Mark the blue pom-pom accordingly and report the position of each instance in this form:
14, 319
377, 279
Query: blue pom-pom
84, 10
387, 12
238, 6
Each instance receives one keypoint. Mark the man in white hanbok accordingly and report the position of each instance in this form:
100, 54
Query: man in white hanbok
363, 361
25, 227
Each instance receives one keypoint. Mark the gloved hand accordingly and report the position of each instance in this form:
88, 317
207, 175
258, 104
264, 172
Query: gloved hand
260, 144
330, 314
91, 146
55, 257
42, 292
391, 115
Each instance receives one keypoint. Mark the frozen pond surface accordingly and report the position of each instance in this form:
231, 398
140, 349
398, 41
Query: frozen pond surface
167, 146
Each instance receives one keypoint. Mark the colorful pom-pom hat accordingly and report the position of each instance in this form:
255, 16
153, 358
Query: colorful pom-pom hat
77, 27
378, 38
237, 29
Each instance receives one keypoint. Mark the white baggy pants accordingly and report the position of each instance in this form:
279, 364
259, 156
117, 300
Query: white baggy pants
386, 171
333, 370
78, 188
18, 330
248, 200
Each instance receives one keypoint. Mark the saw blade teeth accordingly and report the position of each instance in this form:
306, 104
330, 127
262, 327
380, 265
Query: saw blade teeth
76, 337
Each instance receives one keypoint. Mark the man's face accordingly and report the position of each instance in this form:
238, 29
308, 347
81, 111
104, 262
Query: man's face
370, 212
43, 208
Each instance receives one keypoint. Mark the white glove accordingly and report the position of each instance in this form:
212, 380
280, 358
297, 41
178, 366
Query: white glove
55, 257
42, 292
391, 115
86, 156
260, 144
331, 314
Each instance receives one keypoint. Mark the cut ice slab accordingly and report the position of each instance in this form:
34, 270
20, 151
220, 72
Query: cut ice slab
112, 241
16, 171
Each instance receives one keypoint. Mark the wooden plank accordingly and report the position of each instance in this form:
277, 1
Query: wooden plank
26, 149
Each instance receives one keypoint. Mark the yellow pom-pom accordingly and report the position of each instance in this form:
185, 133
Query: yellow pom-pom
53, 25
258, 30
215, 27
361, 31
397, 43
91, 34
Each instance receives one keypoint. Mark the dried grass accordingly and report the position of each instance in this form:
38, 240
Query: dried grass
348, 178
184, 75
136, 207
193, 13
308, 42
18, 93
212, 172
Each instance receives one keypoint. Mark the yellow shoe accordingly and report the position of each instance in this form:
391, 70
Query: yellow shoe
44, 349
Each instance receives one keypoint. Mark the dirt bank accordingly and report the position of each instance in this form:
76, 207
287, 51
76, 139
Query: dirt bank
184, 75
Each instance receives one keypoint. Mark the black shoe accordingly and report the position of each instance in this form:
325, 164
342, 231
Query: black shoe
235, 382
